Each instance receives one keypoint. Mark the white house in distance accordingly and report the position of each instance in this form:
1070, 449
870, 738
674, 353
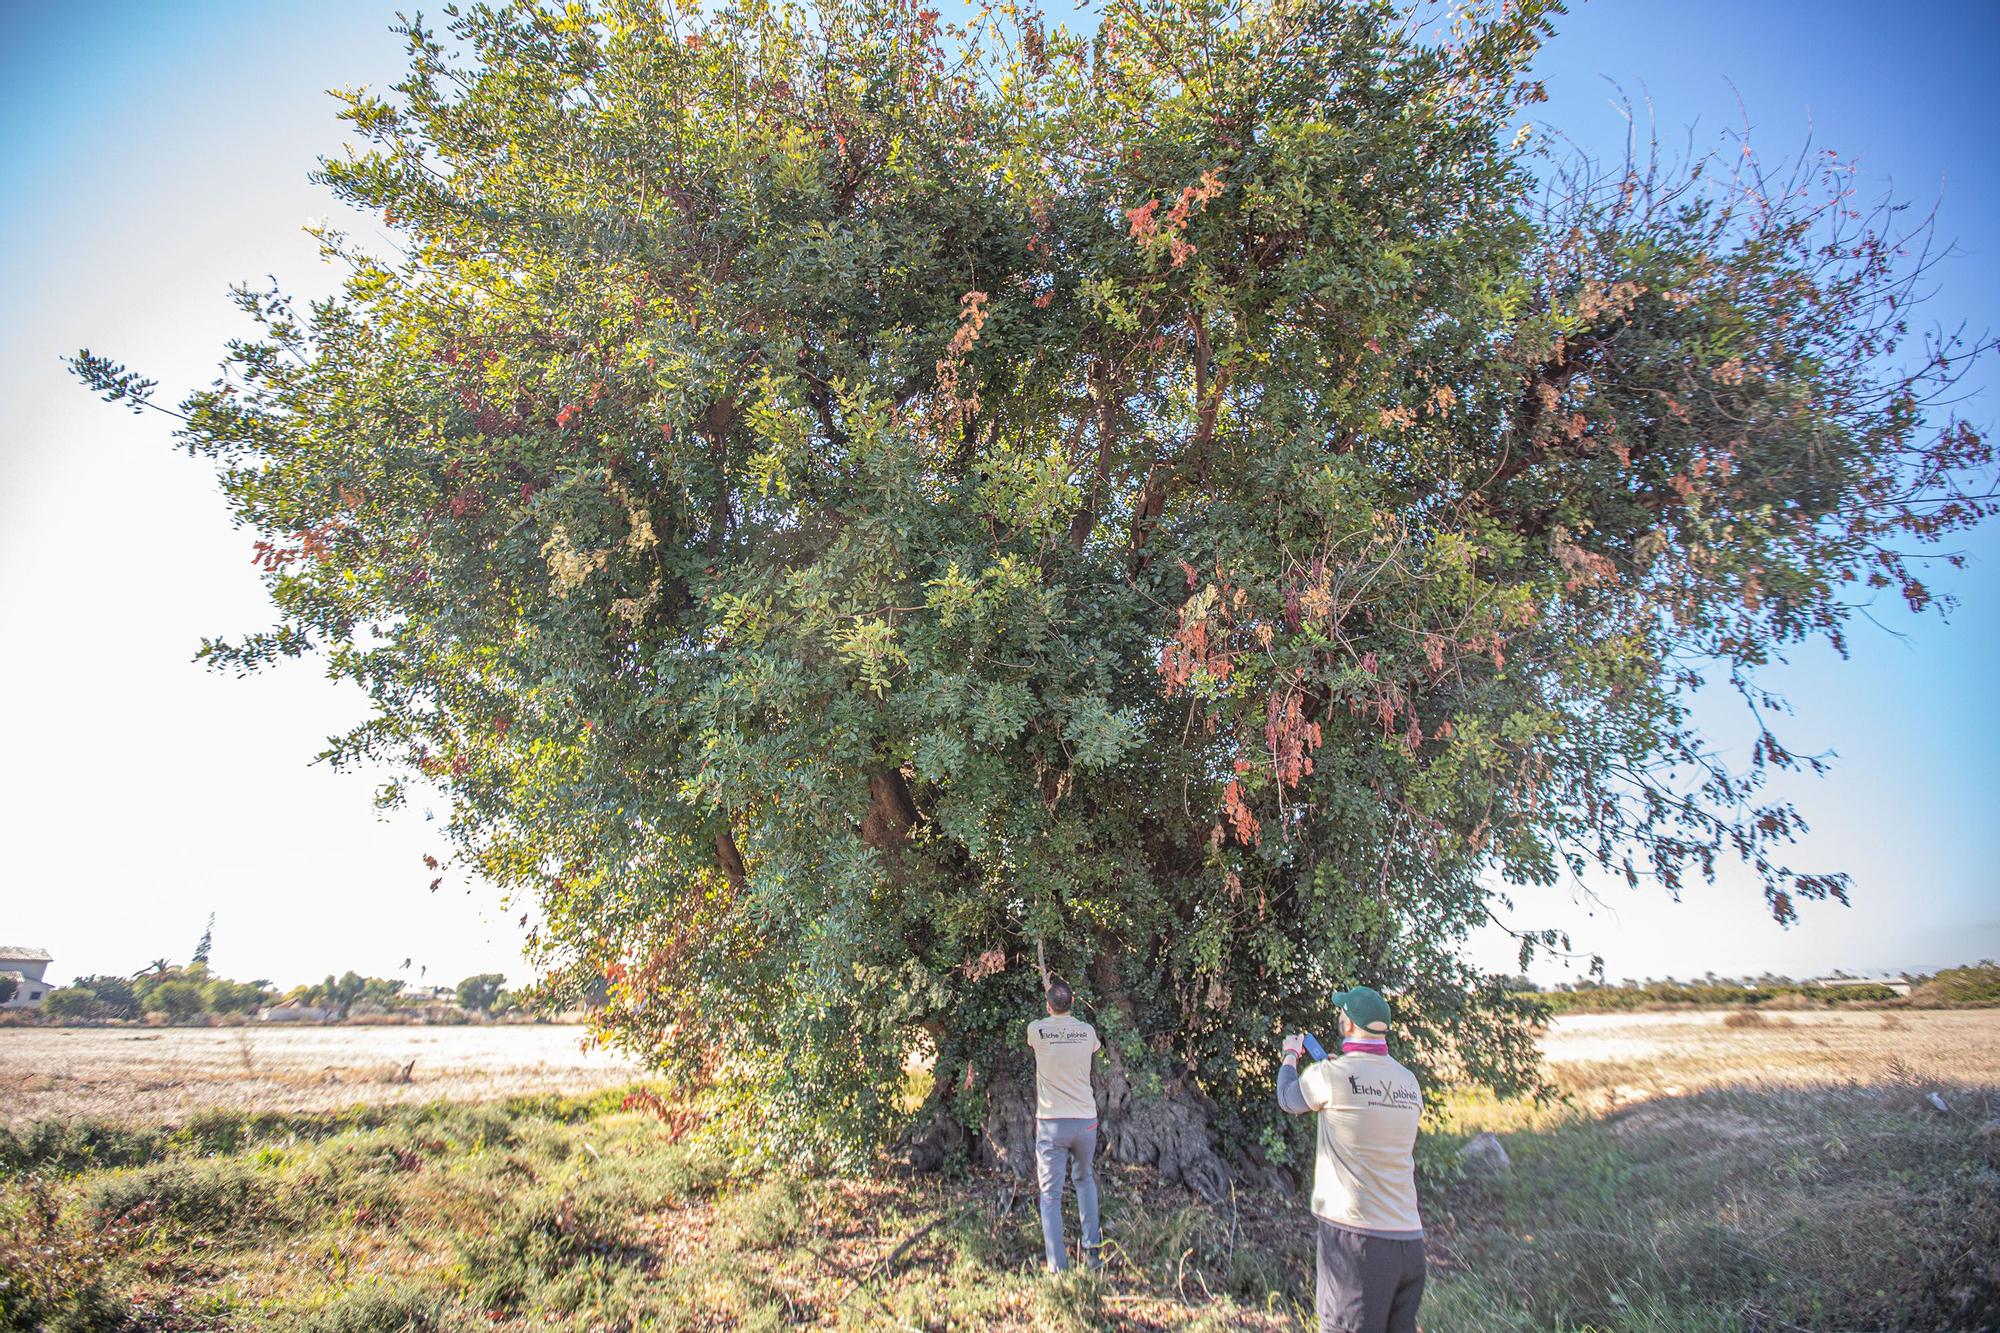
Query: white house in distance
26, 966
1900, 984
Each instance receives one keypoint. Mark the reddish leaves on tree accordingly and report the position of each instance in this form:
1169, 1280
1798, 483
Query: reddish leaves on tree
956, 404
1586, 569
985, 965
1185, 654
1141, 218
1146, 223
1290, 737
1241, 819
314, 543
1434, 647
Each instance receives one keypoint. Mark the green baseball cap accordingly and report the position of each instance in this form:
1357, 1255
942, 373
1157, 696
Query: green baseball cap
1365, 1008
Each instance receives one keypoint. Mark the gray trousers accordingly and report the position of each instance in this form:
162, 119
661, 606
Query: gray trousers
1368, 1284
1072, 1143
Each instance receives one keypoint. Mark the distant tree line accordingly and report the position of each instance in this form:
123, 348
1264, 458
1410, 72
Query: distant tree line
1977, 984
181, 993
196, 993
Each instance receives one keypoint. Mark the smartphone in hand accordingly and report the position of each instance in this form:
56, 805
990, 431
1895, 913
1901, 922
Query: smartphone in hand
1313, 1048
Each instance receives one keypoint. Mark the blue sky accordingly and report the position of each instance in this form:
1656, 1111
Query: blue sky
152, 154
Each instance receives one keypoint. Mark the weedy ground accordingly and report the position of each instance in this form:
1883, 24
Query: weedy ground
1835, 1198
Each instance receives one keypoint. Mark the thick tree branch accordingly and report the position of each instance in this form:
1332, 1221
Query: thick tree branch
1104, 390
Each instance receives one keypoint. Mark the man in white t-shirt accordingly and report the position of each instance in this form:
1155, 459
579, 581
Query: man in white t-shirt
1364, 1199
1065, 1122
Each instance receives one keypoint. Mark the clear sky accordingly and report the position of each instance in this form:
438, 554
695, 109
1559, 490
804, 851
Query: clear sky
152, 154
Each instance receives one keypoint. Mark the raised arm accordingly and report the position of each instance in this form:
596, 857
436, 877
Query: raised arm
1290, 1097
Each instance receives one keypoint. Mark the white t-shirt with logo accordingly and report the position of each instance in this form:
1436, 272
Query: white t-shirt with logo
1063, 1046
1365, 1175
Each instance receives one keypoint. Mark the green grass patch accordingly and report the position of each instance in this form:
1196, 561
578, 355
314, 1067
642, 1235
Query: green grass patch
1727, 1209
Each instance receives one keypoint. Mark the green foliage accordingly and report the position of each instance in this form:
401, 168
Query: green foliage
220, 1196
1978, 984
224, 996
382, 1307
57, 1146
179, 999
479, 993
350, 988
69, 1004
63, 1146
52, 1276
836, 501
771, 1213
115, 996
541, 1234
339, 993
7, 988
182, 994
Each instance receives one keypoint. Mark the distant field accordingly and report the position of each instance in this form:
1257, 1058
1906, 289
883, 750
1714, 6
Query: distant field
1670, 1052
1702, 1175
1737, 1173
162, 1075
152, 1075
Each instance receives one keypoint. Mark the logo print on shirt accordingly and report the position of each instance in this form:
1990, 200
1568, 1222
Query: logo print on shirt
1383, 1094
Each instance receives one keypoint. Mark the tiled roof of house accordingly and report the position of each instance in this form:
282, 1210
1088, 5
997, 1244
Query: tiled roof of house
21, 953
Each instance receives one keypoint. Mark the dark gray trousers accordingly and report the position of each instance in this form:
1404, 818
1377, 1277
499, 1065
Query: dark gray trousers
1368, 1284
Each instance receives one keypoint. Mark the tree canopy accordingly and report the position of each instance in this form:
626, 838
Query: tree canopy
847, 506
478, 993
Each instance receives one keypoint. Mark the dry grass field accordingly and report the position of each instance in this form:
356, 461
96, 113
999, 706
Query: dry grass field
154, 1075
1743, 1171
1701, 1173
1670, 1052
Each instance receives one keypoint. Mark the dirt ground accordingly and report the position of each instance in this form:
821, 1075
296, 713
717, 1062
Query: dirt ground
148, 1075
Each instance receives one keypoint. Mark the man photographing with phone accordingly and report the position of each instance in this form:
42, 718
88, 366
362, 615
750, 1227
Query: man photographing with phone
1364, 1200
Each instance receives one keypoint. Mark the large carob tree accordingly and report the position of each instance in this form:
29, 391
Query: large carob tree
842, 502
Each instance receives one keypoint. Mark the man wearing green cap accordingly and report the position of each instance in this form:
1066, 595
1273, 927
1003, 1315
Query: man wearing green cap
1364, 1199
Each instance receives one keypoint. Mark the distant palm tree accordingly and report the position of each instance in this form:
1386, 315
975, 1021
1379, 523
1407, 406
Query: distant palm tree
159, 967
